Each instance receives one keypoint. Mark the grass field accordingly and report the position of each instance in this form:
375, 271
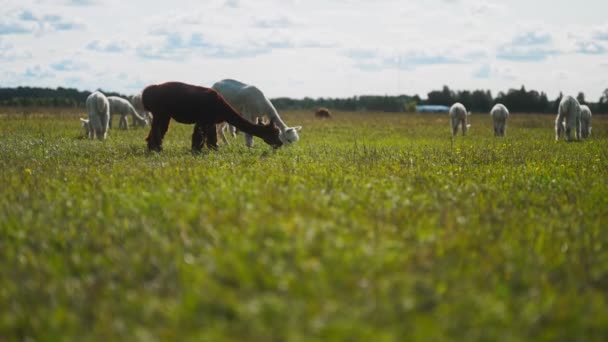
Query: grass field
374, 227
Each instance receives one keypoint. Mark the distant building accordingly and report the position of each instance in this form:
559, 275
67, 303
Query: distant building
432, 109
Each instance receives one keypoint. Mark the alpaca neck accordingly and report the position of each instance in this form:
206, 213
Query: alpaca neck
236, 120
274, 116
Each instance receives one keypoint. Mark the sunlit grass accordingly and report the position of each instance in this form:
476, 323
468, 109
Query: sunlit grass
372, 227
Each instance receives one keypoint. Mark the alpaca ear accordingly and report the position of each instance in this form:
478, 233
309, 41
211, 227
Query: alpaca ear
258, 121
297, 128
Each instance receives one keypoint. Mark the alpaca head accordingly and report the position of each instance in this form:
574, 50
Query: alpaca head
85, 125
271, 134
141, 122
290, 135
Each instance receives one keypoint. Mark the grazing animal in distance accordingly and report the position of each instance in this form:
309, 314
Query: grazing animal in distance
123, 107
98, 108
322, 113
568, 119
203, 107
585, 121
252, 103
458, 116
499, 114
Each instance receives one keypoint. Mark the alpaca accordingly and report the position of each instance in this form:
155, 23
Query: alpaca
123, 107
568, 119
322, 113
585, 121
458, 115
139, 107
499, 114
98, 108
252, 103
203, 107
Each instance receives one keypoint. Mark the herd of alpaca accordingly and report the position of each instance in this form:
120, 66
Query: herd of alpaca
230, 105
573, 119
227, 106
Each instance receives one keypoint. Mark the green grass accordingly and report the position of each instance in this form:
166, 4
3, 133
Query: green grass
374, 227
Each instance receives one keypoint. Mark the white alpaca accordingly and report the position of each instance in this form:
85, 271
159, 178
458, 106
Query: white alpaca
123, 107
585, 121
499, 114
139, 107
458, 115
568, 119
98, 108
251, 103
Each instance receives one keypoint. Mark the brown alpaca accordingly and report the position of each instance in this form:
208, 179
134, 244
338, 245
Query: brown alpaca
322, 113
203, 107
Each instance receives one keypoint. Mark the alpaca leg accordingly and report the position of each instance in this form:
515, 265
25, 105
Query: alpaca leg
248, 140
463, 122
160, 125
558, 129
232, 130
198, 137
454, 126
123, 123
211, 136
220, 129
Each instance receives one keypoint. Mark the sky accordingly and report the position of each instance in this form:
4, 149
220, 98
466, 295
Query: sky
308, 48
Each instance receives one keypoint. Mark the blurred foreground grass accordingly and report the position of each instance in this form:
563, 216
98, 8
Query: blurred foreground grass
372, 227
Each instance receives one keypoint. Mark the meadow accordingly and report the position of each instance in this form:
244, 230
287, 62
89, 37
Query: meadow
374, 227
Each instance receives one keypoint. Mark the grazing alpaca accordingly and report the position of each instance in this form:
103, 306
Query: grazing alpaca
98, 108
139, 107
123, 107
568, 119
499, 114
458, 115
252, 103
322, 113
585, 121
203, 107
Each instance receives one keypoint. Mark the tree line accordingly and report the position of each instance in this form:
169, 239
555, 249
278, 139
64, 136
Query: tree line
517, 100
45, 97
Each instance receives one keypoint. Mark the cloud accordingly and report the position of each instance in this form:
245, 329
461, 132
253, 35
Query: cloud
375, 59
590, 48
178, 46
528, 46
232, 3
28, 22
530, 38
488, 71
277, 22
8, 52
116, 46
82, 2
601, 33
68, 65
37, 72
